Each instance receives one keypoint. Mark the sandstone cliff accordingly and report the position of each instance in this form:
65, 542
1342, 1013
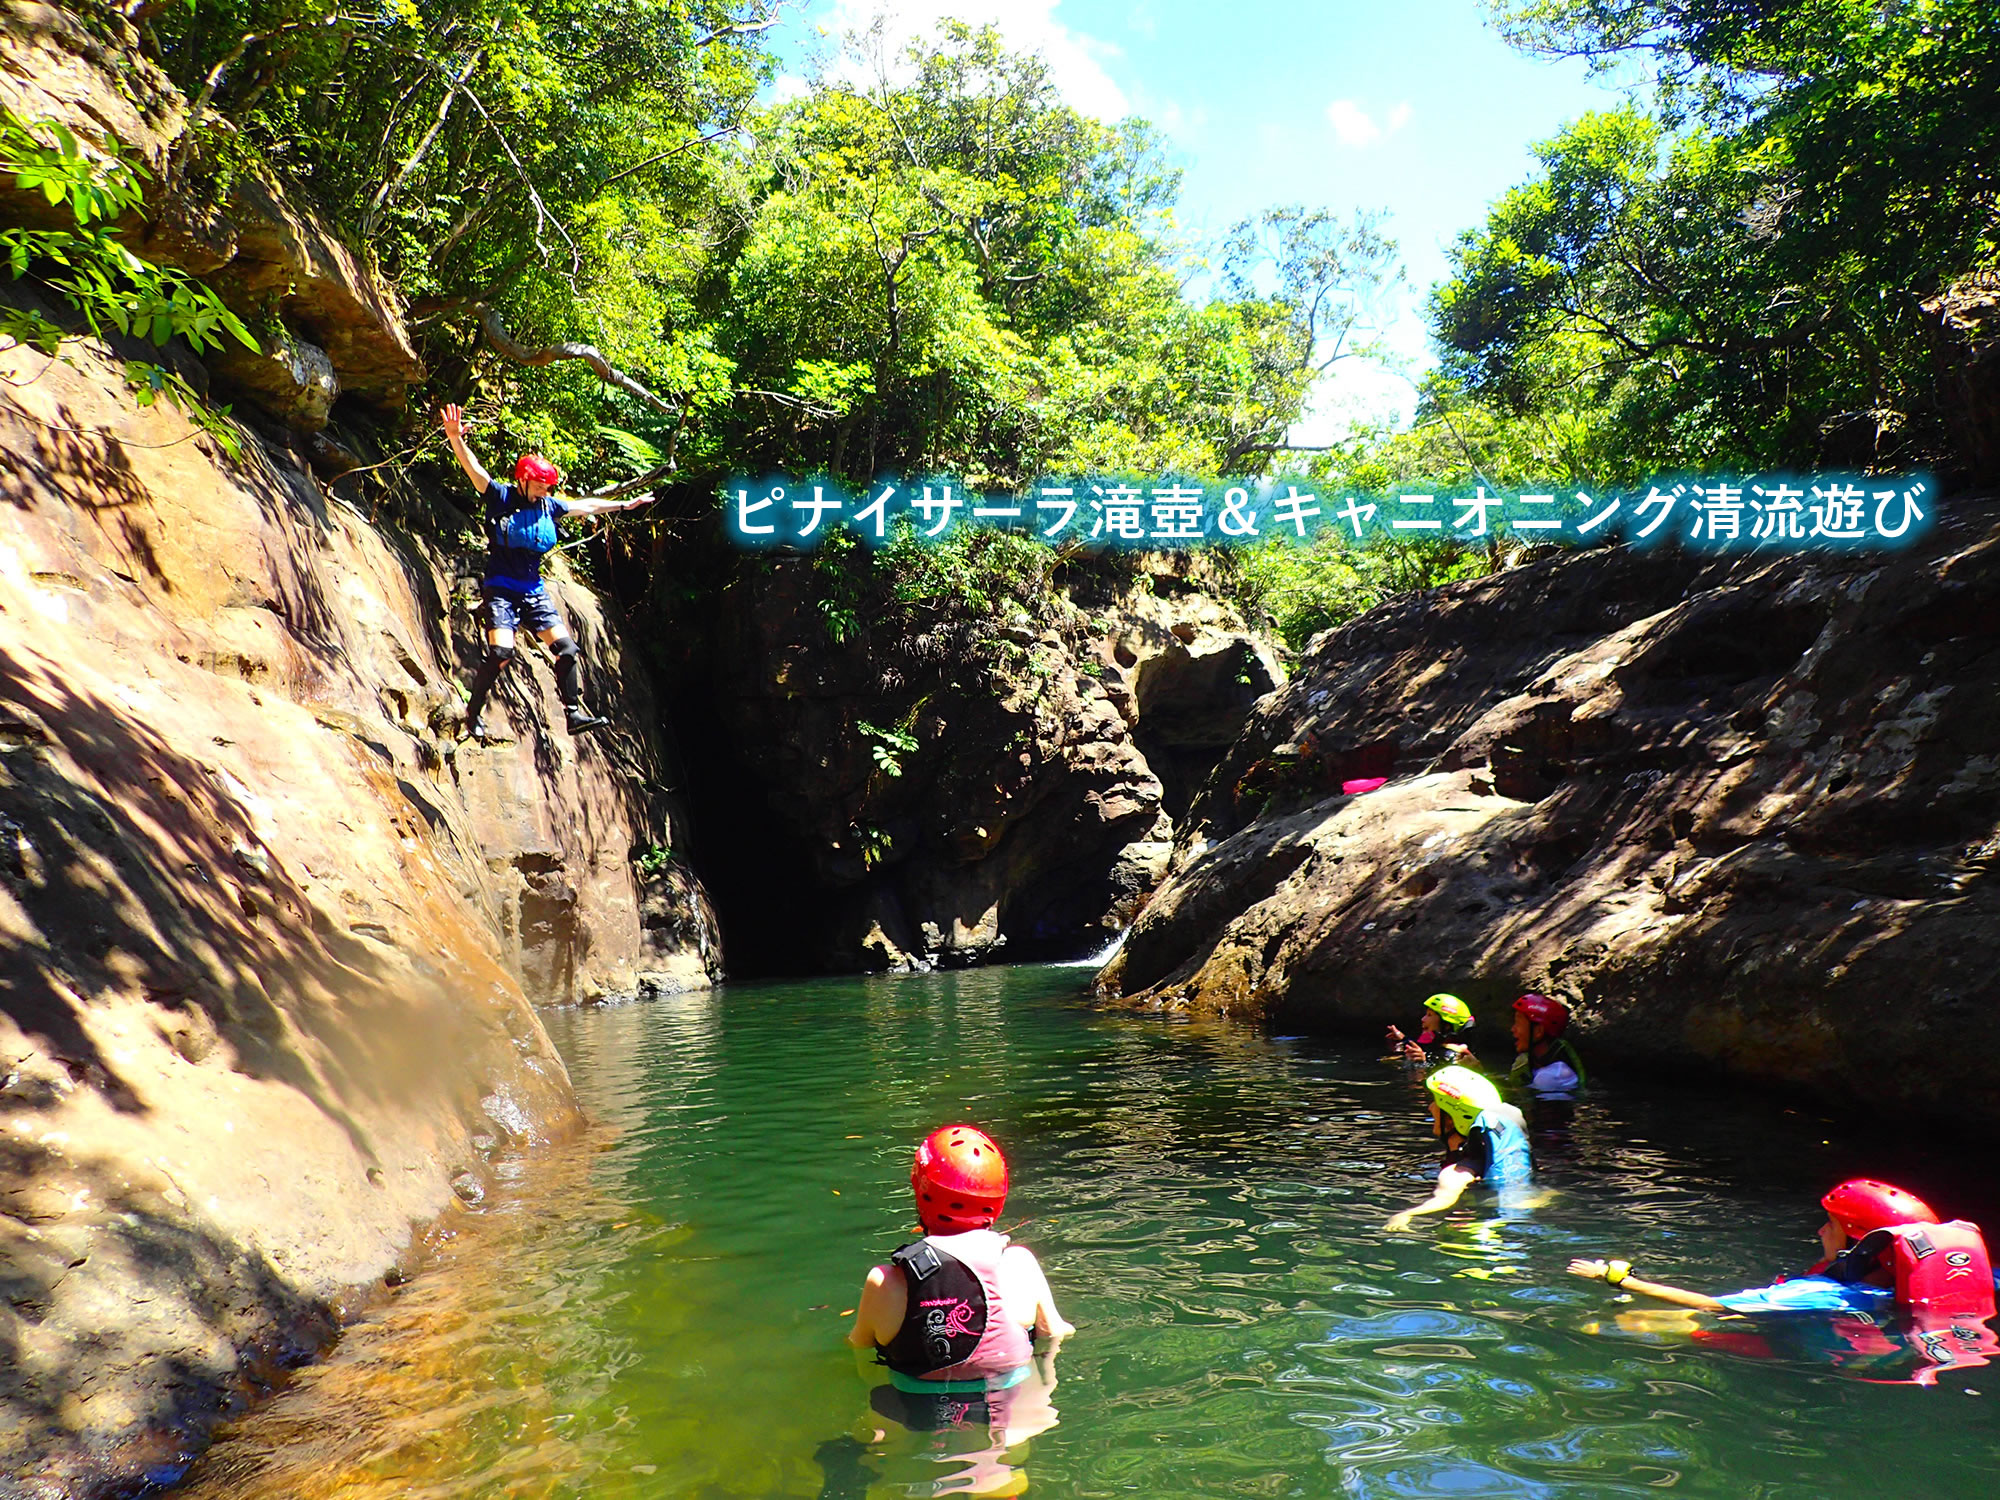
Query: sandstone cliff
268, 933
1741, 815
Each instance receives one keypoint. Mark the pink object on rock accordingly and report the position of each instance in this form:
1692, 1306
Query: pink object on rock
1363, 784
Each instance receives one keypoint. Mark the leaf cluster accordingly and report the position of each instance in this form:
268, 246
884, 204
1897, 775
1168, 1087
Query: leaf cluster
107, 285
1739, 281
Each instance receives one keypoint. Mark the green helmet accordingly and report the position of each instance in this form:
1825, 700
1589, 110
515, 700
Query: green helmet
1462, 1094
1451, 1010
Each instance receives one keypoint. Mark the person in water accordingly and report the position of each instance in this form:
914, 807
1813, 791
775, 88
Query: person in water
1444, 1017
521, 529
1543, 1058
1484, 1139
959, 1312
1876, 1238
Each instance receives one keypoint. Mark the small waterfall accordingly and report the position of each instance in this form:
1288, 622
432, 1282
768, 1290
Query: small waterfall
1100, 959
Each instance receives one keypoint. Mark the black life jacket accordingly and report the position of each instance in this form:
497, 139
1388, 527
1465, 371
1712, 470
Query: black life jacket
945, 1315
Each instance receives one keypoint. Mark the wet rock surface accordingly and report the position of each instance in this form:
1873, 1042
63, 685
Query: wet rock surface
269, 931
1740, 814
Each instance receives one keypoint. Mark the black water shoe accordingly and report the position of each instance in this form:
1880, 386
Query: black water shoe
582, 723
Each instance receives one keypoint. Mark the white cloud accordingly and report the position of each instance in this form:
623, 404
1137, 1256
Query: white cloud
1368, 392
1076, 61
1354, 126
788, 86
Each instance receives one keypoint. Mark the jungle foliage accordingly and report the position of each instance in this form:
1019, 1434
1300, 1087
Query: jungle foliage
1737, 281
926, 262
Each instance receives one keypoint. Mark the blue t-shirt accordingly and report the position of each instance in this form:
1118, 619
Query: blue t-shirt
1496, 1148
517, 567
1810, 1294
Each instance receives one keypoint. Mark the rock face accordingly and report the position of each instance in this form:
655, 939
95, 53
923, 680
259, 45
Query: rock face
1183, 667
1964, 330
914, 794
1741, 815
267, 935
326, 323
998, 825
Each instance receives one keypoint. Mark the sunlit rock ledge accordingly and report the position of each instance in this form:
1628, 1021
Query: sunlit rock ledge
1742, 815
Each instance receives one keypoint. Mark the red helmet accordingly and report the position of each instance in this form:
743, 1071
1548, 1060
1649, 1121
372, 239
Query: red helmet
960, 1179
1551, 1015
1862, 1205
534, 466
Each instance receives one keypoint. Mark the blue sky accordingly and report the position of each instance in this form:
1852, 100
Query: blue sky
1417, 108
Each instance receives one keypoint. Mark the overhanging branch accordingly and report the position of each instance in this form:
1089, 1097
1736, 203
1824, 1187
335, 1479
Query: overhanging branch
549, 354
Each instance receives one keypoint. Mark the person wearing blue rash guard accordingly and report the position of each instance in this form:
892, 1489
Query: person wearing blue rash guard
1485, 1140
1861, 1268
521, 526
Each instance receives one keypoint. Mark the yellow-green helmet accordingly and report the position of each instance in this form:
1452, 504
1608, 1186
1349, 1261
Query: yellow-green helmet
1451, 1010
1462, 1094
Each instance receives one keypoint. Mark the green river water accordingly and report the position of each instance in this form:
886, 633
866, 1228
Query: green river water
658, 1310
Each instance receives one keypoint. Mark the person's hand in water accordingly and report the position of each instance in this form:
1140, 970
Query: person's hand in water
1395, 1035
1592, 1270
1400, 1222
1412, 1052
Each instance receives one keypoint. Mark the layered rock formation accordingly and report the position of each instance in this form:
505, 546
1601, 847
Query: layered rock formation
1742, 815
905, 797
326, 323
268, 934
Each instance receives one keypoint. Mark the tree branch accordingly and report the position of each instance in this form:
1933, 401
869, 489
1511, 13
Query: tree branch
660, 156
549, 354
542, 214
741, 28
244, 43
386, 193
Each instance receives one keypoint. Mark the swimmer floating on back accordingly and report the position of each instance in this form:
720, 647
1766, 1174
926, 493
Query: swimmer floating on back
1485, 1140
1876, 1238
1444, 1016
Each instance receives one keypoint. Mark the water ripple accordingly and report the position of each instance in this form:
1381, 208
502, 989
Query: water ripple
658, 1313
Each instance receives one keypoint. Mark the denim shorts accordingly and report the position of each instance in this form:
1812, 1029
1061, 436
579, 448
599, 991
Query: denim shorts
519, 609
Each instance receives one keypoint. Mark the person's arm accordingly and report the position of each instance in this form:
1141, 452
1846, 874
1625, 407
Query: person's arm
454, 428
1050, 1325
1452, 1183
602, 507
879, 1313
1617, 1273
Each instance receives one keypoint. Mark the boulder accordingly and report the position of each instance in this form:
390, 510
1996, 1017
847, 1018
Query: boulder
1738, 813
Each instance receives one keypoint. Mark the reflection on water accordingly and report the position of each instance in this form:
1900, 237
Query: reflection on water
659, 1311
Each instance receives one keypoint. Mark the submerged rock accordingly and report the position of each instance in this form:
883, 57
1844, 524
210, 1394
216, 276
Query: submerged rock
1739, 813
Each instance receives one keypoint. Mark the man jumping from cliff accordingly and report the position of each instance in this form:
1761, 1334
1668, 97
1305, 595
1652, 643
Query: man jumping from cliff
521, 530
